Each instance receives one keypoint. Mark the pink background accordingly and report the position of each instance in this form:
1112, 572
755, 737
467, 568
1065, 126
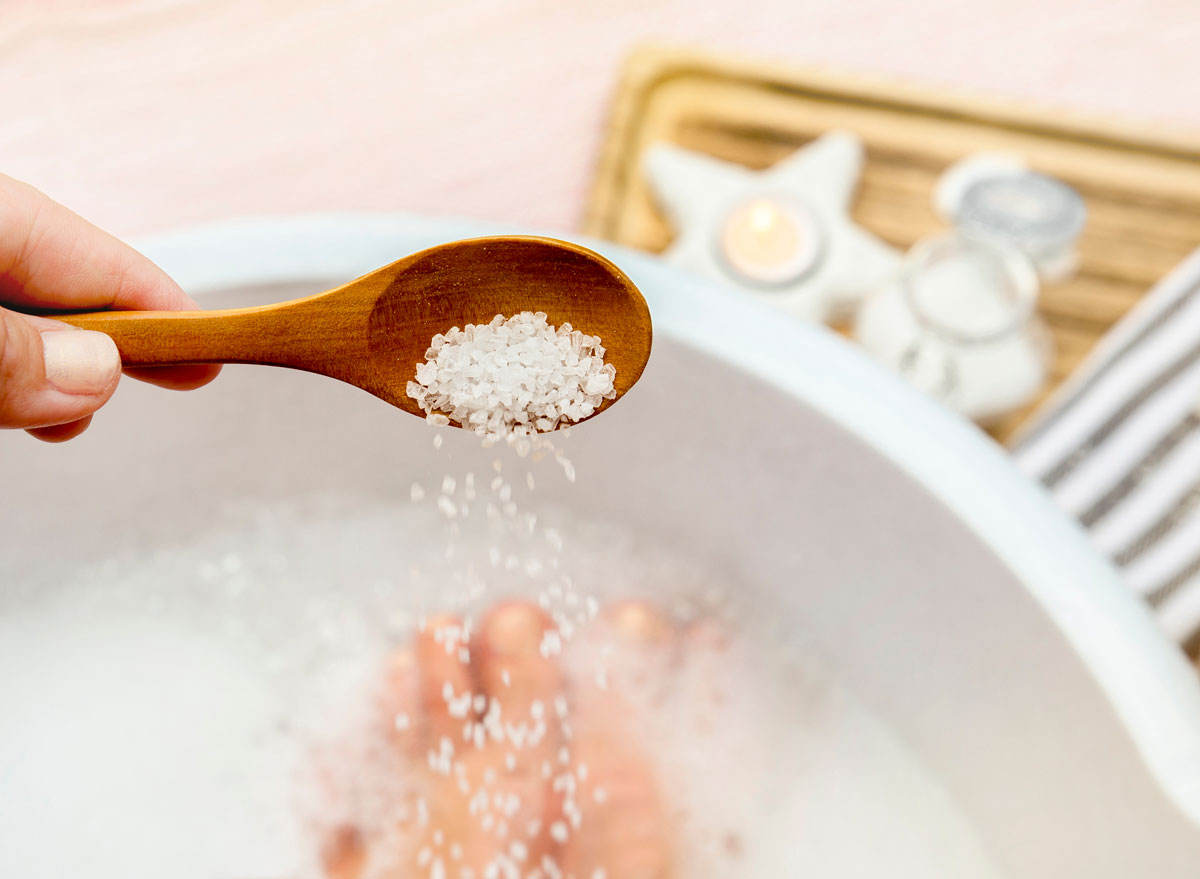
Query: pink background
147, 114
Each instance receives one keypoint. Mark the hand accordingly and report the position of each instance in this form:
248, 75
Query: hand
52, 376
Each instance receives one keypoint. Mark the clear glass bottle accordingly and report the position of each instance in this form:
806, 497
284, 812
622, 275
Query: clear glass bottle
959, 320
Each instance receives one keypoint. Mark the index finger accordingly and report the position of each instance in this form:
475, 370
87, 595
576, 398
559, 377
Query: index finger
53, 260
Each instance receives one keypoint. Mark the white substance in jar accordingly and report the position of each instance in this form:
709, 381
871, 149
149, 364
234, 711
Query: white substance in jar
513, 376
959, 323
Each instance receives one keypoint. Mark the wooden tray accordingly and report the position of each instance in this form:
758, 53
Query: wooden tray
1142, 185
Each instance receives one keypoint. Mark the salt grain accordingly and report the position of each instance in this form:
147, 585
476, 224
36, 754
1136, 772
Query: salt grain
512, 378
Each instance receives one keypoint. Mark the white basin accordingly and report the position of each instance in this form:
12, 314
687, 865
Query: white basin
944, 592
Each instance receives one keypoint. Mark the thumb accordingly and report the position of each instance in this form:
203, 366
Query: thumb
52, 374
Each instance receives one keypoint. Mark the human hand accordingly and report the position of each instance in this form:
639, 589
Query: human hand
53, 376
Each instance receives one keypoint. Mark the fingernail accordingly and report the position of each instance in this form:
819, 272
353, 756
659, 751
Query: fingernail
80, 361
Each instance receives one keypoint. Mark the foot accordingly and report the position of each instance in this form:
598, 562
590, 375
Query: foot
471, 714
520, 772
626, 831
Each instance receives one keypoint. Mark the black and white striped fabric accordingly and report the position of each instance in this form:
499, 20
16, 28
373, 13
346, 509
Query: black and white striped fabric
1119, 448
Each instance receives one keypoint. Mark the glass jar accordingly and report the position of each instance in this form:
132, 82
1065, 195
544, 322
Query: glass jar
959, 320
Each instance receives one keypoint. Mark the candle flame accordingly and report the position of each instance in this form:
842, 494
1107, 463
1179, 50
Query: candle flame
764, 216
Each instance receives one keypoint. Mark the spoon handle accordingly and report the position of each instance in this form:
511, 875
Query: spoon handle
265, 334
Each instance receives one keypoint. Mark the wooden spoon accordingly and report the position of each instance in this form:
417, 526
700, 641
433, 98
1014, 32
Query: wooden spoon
373, 331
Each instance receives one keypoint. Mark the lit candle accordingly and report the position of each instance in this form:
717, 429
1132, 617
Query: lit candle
768, 240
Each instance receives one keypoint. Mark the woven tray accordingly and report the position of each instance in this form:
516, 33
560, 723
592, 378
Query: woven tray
1141, 185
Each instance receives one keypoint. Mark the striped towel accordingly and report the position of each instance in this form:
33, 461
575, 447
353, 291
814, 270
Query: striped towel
1119, 448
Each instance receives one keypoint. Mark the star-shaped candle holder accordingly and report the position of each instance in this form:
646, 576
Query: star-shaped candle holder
783, 235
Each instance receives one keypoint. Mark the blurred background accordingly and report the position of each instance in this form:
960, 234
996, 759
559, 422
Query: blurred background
148, 114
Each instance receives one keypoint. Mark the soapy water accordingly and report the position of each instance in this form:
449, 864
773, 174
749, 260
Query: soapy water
212, 709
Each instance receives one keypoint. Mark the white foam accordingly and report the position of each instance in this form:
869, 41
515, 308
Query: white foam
208, 710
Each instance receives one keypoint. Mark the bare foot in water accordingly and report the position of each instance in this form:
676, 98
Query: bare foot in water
471, 716
518, 772
626, 832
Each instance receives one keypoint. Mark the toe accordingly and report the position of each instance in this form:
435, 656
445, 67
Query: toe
518, 667
640, 647
525, 690
640, 623
444, 672
402, 701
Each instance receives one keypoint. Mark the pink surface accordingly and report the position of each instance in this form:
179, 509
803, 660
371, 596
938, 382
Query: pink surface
147, 114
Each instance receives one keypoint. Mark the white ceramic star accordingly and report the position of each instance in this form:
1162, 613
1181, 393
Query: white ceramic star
699, 194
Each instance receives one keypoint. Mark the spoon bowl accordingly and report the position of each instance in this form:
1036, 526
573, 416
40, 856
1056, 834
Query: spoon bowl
374, 330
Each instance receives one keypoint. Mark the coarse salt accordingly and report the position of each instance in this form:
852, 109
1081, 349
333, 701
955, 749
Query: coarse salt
513, 377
